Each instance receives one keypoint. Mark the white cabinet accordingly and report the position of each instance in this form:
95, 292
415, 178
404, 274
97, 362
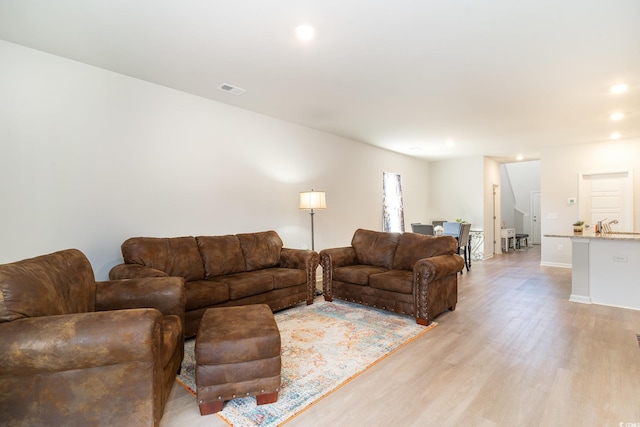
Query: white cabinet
508, 238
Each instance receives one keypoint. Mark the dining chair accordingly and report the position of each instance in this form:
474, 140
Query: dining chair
464, 242
461, 232
422, 228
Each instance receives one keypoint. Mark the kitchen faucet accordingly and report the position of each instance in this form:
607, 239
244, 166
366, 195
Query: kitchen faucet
606, 227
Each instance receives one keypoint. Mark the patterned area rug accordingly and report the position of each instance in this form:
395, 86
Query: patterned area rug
324, 345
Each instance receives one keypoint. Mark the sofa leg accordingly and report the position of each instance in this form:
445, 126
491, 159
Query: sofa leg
423, 322
267, 398
452, 308
211, 407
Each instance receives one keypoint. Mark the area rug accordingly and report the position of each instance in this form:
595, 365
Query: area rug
324, 345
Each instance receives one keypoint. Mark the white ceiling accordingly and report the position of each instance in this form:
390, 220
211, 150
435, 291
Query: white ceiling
499, 77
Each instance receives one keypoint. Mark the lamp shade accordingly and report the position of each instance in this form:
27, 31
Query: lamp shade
313, 200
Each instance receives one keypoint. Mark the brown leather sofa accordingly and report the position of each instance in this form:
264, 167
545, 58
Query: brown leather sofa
241, 269
76, 352
405, 273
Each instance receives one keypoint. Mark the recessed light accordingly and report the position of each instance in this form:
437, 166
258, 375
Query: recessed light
619, 88
617, 116
615, 135
519, 157
305, 32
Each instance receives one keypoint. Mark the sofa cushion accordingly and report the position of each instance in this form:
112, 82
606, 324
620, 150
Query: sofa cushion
375, 247
356, 274
243, 285
286, 277
261, 250
203, 293
176, 256
393, 280
221, 255
47, 285
413, 247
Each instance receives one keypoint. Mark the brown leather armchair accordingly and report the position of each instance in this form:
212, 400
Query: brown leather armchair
74, 351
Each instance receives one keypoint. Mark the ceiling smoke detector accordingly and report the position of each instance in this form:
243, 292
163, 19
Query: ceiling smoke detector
225, 87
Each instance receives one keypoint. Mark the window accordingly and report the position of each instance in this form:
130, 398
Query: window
392, 213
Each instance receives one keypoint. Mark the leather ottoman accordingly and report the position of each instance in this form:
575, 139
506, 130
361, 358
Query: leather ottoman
237, 354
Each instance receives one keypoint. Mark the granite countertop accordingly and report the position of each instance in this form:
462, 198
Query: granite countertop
589, 234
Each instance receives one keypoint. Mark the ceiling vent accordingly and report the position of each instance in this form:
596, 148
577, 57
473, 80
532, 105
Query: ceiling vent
225, 87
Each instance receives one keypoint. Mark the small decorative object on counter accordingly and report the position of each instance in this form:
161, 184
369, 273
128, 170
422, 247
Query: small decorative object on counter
578, 226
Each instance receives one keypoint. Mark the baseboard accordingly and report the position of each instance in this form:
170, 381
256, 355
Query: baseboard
555, 264
580, 299
616, 306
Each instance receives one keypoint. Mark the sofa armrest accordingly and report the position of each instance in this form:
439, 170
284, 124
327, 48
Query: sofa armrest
334, 258
165, 294
437, 267
338, 257
130, 271
40, 345
302, 259
436, 285
82, 369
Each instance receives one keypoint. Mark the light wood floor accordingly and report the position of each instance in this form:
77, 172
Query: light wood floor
515, 352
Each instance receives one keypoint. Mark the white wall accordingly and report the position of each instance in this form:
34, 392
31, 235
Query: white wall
560, 167
463, 188
456, 192
491, 178
89, 158
507, 199
523, 179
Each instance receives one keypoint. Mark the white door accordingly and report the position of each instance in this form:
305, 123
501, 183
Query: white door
535, 218
607, 196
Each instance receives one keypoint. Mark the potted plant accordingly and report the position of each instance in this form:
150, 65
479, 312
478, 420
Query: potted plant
577, 226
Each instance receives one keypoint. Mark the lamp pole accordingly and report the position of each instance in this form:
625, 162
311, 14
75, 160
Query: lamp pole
313, 248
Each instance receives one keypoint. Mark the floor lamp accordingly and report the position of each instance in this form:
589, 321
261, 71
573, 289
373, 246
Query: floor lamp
312, 200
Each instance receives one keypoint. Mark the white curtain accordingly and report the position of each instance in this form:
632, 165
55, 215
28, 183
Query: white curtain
392, 212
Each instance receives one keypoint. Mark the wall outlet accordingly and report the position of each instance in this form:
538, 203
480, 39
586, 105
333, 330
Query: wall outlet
560, 248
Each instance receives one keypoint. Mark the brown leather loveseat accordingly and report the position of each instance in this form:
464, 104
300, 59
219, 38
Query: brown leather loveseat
241, 269
405, 273
76, 352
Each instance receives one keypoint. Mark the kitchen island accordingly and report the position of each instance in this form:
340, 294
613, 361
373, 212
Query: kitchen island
605, 268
